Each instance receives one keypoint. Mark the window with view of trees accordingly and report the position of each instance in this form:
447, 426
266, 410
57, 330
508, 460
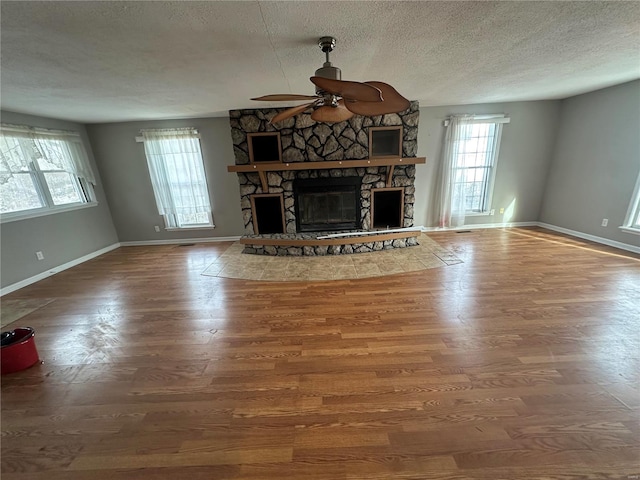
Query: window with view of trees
177, 174
468, 167
474, 167
42, 171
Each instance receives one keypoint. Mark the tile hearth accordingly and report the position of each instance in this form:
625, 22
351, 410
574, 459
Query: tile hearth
235, 264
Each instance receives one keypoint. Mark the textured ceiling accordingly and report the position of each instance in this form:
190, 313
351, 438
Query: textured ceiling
114, 61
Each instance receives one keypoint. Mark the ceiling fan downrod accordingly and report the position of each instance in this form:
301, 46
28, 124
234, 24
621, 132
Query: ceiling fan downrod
327, 44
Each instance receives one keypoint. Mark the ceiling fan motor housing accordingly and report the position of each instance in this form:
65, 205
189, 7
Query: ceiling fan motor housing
329, 71
327, 44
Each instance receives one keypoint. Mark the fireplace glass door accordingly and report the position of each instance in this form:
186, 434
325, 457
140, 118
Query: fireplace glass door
327, 204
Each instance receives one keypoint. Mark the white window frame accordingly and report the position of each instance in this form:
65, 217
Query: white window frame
487, 200
633, 212
84, 187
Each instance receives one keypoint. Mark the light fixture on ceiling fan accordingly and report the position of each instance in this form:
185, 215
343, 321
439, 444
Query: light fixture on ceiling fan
337, 100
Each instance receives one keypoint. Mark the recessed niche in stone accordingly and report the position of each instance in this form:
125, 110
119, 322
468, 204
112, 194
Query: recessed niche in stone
268, 214
385, 141
264, 147
387, 207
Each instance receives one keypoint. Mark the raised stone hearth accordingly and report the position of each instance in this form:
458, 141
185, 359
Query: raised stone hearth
294, 244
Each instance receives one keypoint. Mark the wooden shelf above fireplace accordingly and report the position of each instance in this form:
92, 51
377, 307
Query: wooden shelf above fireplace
324, 165
390, 163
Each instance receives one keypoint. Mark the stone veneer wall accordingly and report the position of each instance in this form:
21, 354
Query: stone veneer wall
304, 140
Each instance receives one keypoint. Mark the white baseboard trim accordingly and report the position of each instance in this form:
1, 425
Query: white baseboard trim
97, 253
573, 233
41, 276
480, 226
178, 241
592, 238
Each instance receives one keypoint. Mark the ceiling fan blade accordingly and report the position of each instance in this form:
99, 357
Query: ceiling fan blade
290, 112
329, 114
284, 97
393, 102
348, 90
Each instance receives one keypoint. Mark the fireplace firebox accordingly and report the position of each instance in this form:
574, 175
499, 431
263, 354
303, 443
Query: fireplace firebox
327, 204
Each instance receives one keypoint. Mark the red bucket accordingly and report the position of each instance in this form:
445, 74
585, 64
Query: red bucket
20, 351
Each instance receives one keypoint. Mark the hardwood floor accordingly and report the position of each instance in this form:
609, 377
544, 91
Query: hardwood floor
520, 363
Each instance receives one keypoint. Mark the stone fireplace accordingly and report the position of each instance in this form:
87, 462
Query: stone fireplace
322, 176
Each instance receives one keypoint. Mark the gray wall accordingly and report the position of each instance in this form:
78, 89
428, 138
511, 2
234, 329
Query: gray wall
526, 149
573, 181
62, 237
595, 163
123, 167
524, 158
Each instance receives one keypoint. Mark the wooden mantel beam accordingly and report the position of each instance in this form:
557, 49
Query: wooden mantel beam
324, 165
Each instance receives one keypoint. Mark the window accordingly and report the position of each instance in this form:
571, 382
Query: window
468, 166
474, 169
42, 171
632, 220
177, 175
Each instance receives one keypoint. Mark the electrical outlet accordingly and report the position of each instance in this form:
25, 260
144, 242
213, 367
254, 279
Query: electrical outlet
502, 210
156, 228
605, 222
493, 212
39, 256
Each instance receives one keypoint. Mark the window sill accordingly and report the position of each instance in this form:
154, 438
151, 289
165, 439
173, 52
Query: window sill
182, 229
14, 217
478, 214
635, 231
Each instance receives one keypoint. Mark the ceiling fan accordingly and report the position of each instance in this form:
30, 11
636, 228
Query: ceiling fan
337, 100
